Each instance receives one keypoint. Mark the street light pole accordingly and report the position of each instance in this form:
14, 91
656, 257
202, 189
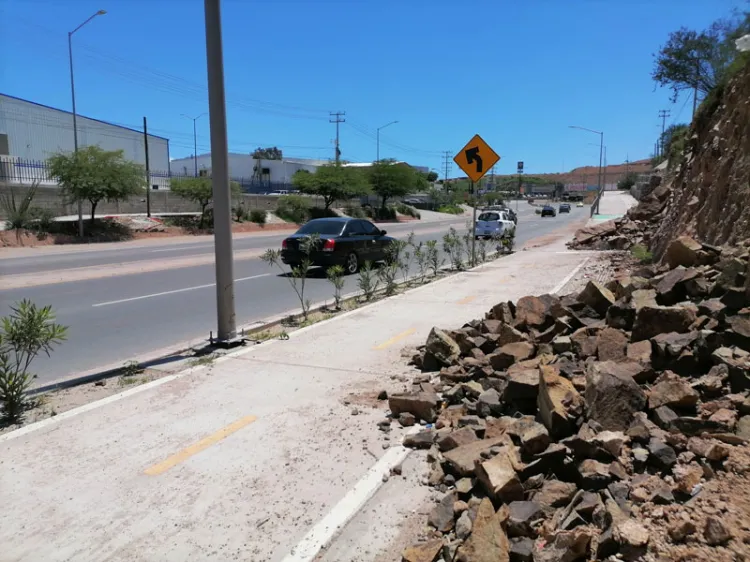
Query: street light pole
225, 312
73, 96
601, 154
195, 140
378, 138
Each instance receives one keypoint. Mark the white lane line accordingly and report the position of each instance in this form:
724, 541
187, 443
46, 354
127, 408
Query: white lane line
175, 291
568, 277
328, 527
204, 246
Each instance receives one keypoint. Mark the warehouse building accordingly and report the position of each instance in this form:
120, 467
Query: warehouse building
31, 132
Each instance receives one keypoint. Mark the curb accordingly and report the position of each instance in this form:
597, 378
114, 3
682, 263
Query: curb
243, 331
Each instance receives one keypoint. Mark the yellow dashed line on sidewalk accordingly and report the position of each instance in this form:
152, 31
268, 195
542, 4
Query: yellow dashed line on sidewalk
467, 300
395, 338
201, 445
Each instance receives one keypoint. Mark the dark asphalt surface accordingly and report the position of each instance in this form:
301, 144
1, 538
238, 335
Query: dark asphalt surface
119, 318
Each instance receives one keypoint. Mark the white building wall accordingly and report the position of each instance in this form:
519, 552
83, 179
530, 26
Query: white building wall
242, 166
36, 132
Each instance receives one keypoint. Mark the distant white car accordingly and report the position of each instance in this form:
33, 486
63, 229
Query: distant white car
494, 224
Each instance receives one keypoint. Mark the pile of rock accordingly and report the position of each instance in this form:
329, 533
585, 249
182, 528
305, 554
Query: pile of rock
555, 424
636, 227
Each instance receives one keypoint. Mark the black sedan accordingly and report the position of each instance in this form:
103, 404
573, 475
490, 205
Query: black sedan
548, 210
342, 241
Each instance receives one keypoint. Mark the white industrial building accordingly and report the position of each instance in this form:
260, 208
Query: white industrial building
31, 132
245, 167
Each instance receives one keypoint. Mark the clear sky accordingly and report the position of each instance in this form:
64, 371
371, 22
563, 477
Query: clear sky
516, 72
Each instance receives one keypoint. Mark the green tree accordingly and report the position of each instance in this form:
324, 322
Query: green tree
199, 190
96, 175
692, 59
270, 153
432, 176
331, 182
390, 179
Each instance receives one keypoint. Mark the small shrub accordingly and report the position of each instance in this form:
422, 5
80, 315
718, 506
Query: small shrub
453, 246
384, 214
18, 210
335, 275
24, 334
298, 276
367, 281
420, 254
258, 216
293, 208
240, 213
43, 219
408, 211
451, 209
434, 260
355, 212
642, 254
321, 213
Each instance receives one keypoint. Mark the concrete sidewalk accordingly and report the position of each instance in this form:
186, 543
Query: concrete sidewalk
613, 205
257, 457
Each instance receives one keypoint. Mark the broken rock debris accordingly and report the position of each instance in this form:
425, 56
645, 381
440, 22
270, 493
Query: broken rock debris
559, 422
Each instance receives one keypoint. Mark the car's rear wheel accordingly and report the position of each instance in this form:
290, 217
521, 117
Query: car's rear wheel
352, 264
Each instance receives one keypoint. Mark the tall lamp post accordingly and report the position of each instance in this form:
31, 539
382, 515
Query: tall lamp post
73, 95
378, 137
195, 140
601, 153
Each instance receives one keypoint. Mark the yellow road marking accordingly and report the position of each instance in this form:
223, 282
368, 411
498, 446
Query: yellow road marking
201, 445
395, 338
466, 300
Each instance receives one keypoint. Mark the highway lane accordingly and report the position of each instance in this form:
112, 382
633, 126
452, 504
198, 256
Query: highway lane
116, 319
51, 260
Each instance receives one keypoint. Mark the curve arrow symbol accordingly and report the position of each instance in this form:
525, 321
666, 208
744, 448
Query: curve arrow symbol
472, 156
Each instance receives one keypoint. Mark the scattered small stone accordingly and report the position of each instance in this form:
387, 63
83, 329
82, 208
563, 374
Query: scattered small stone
406, 419
716, 532
383, 395
355, 412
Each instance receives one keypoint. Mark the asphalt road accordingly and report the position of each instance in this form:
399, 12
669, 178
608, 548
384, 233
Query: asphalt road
116, 319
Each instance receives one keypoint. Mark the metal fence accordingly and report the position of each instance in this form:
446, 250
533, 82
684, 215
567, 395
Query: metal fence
22, 171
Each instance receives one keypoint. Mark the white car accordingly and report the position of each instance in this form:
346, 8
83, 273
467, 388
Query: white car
494, 224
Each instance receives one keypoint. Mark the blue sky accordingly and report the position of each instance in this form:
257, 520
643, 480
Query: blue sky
518, 73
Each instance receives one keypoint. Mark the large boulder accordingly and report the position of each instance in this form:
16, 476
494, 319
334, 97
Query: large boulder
558, 401
442, 347
488, 541
598, 297
423, 405
683, 251
612, 397
509, 354
611, 344
673, 391
499, 479
653, 320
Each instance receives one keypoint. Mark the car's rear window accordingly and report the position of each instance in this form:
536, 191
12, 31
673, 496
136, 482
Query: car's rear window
489, 217
330, 228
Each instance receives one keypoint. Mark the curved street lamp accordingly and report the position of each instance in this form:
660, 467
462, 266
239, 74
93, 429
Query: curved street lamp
73, 95
378, 137
195, 140
601, 151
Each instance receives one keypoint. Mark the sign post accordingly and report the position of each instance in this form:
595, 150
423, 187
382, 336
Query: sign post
476, 158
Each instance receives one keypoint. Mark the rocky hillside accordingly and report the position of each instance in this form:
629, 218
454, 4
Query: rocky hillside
709, 196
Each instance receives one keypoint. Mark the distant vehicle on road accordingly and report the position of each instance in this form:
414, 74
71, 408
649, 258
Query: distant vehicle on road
580, 204
548, 211
343, 241
564, 208
494, 224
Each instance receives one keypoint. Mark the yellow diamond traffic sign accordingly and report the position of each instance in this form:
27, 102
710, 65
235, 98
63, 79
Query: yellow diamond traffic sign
476, 158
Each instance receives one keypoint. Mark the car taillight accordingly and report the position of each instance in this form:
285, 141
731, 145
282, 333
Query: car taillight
329, 245
284, 245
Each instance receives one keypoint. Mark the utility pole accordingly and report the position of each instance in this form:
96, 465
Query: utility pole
225, 312
337, 118
195, 140
663, 113
148, 172
446, 164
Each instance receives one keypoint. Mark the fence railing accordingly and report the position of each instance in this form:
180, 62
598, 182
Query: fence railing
22, 171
